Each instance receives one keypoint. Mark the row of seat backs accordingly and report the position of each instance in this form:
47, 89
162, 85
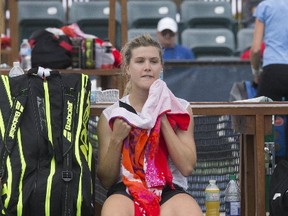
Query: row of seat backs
34, 15
206, 27
92, 17
192, 13
140, 13
205, 42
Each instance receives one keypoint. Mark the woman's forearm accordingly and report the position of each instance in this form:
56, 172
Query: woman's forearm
181, 148
109, 166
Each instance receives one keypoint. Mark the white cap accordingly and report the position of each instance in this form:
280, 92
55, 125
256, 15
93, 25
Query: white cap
16, 64
167, 23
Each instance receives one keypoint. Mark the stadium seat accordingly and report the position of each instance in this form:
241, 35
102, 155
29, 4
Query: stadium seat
218, 42
142, 14
206, 14
35, 15
244, 39
132, 33
93, 18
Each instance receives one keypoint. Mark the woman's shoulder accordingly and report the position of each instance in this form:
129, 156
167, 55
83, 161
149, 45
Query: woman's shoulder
184, 102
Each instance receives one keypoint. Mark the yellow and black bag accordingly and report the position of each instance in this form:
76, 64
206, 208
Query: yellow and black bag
278, 190
45, 156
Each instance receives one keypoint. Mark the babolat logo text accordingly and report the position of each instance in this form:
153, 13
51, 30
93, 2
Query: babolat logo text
18, 111
67, 128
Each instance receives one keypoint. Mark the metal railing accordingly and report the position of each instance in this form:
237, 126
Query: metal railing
253, 121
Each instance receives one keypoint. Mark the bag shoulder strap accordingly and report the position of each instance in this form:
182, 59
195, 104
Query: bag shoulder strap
127, 107
14, 121
69, 120
9, 137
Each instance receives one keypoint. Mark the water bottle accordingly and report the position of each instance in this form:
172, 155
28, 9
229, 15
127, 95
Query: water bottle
107, 57
212, 199
25, 55
16, 70
232, 197
99, 52
93, 96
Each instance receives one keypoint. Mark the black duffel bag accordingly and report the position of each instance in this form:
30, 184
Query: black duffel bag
50, 50
278, 194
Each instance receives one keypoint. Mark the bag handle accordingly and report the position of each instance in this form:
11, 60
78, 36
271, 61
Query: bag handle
10, 136
43, 73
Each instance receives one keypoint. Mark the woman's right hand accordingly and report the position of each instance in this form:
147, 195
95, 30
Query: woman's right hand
110, 148
120, 129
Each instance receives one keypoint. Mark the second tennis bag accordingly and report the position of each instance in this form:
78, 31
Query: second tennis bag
45, 156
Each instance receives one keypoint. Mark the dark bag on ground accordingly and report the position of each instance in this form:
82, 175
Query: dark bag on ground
278, 194
50, 50
46, 158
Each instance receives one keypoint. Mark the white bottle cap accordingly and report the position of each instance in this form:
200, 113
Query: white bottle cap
16, 64
212, 181
93, 84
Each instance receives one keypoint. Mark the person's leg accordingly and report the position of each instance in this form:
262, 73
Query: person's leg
181, 204
118, 205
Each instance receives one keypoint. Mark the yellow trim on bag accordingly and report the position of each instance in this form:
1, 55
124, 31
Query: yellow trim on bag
23, 169
50, 138
79, 132
6, 83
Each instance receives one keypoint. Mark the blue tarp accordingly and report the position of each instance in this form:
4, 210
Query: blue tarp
205, 82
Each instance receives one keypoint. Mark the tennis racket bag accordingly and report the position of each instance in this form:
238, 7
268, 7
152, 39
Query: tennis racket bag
45, 156
278, 191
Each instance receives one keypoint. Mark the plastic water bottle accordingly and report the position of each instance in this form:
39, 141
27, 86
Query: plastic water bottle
25, 55
232, 197
16, 70
99, 52
212, 199
107, 57
93, 96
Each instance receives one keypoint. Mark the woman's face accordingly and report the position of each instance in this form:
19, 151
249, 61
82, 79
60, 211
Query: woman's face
144, 67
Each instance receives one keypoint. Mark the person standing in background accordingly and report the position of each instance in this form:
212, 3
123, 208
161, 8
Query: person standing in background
272, 80
167, 30
270, 28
